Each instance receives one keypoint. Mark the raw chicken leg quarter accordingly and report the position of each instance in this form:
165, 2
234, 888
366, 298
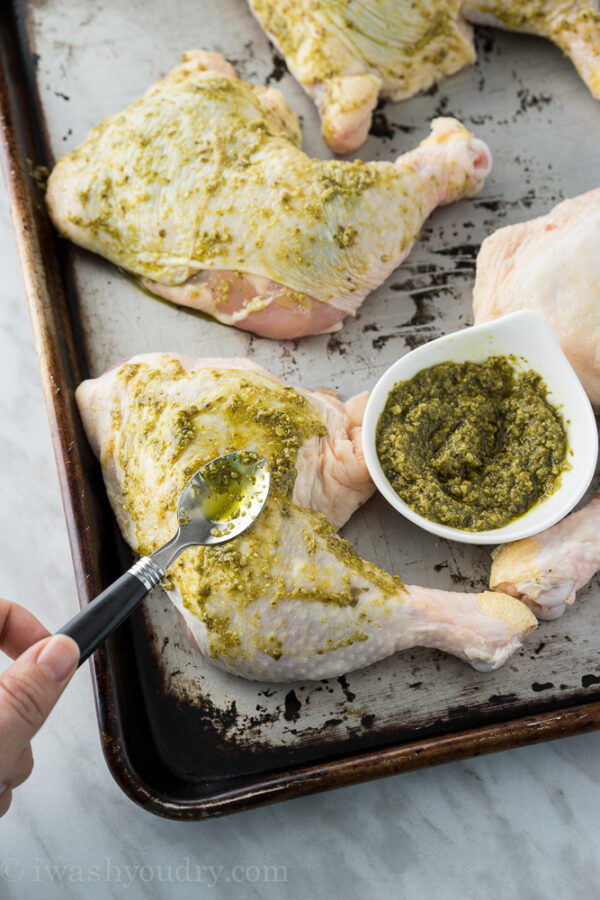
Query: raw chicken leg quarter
346, 55
201, 191
289, 599
550, 264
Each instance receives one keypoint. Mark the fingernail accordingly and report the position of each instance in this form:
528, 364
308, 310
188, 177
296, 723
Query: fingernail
3, 787
60, 656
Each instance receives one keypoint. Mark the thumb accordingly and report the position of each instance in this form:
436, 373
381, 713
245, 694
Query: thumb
29, 688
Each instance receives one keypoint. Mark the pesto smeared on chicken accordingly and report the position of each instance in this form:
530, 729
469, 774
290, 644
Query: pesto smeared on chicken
201, 191
289, 599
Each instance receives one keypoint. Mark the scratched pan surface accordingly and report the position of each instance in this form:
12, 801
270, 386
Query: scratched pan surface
204, 730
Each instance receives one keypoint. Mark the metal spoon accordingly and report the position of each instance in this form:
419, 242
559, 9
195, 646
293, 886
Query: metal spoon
219, 502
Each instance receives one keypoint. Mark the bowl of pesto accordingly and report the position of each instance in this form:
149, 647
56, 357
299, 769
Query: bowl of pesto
485, 435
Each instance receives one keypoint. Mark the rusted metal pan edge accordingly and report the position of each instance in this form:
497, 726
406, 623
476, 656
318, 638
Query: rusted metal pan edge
369, 766
44, 289
59, 364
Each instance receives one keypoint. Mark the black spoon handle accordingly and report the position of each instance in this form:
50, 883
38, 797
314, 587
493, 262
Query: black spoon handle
96, 621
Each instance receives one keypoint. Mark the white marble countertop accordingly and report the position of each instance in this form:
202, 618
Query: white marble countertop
520, 824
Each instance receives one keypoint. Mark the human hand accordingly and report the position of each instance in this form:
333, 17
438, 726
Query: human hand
29, 688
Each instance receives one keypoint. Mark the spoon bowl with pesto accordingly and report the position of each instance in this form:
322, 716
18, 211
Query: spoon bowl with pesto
219, 502
483, 436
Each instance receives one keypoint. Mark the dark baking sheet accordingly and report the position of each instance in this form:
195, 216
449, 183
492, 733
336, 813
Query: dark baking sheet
181, 738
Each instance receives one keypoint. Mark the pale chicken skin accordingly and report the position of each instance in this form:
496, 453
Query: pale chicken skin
289, 599
201, 191
573, 25
547, 570
348, 54
550, 264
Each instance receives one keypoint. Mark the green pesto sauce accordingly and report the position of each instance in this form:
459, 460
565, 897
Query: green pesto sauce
385, 34
471, 445
228, 489
546, 17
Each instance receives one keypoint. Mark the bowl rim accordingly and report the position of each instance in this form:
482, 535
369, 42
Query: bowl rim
514, 530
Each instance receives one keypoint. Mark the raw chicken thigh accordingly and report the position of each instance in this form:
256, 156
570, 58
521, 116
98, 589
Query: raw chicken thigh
573, 25
547, 570
289, 599
201, 191
551, 264
347, 54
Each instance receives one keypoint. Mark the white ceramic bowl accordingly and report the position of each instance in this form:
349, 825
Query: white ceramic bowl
527, 336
